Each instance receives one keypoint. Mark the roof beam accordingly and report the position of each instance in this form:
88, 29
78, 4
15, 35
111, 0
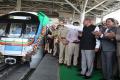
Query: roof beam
96, 6
62, 6
102, 5
86, 1
60, 2
48, 1
112, 9
94, 14
73, 6
7, 7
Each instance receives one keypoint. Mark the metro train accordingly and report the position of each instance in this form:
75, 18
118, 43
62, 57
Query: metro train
21, 38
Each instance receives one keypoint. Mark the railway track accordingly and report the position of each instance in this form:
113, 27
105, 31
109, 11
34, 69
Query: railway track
27, 75
15, 72
5, 69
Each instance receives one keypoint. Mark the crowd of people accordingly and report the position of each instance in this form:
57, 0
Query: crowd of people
87, 46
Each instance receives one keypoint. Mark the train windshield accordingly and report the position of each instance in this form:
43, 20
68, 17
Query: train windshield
2, 28
18, 30
15, 30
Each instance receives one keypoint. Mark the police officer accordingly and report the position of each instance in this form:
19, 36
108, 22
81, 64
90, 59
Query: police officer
56, 42
63, 42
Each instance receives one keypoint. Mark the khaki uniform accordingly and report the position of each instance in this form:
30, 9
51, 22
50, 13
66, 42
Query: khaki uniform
63, 48
55, 35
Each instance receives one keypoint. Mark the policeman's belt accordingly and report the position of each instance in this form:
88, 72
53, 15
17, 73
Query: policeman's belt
75, 42
63, 38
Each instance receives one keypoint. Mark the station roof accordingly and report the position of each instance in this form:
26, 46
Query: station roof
92, 7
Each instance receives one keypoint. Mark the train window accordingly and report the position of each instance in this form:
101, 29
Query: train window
31, 30
2, 28
15, 30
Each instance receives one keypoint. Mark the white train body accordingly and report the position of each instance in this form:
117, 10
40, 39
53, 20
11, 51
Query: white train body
20, 36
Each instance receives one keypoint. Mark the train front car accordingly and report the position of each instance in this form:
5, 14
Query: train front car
20, 38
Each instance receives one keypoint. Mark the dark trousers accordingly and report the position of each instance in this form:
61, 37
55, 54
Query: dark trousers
115, 66
107, 64
97, 62
118, 57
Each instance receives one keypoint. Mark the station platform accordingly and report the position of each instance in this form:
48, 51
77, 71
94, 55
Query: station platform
48, 69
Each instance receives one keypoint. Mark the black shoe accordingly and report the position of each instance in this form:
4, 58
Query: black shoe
60, 64
116, 78
81, 75
87, 77
68, 66
102, 79
75, 66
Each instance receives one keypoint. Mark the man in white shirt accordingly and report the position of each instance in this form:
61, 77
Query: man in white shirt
73, 45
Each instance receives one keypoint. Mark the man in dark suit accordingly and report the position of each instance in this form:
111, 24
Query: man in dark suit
118, 48
88, 48
107, 37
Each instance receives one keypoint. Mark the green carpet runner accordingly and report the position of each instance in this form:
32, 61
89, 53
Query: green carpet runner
72, 74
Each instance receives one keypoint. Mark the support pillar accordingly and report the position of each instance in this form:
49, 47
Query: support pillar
18, 5
82, 16
73, 15
102, 19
